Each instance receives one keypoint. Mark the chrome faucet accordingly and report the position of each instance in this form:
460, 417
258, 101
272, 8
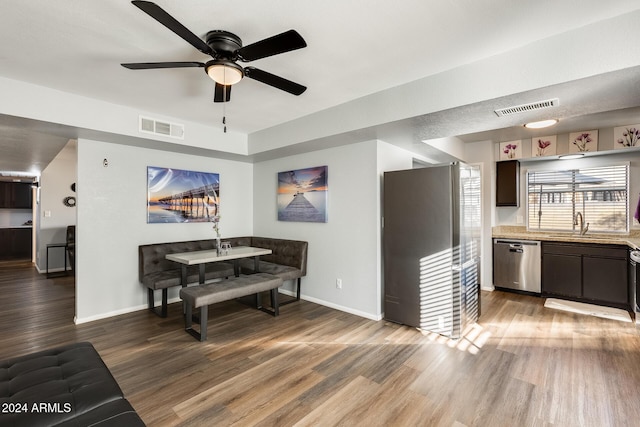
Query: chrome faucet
583, 228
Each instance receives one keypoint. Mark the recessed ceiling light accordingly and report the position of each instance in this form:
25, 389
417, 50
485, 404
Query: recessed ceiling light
541, 124
571, 156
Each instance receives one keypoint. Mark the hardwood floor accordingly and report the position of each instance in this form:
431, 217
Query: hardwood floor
521, 365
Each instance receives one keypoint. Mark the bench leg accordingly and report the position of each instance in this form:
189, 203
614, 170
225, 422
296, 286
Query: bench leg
151, 302
202, 335
274, 310
297, 295
187, 316
165, 292
274, 301
203, 322
236, 268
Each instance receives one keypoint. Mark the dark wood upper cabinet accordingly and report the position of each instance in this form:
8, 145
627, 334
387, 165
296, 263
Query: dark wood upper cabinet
508, 183
15, 195
22, 198
5, 194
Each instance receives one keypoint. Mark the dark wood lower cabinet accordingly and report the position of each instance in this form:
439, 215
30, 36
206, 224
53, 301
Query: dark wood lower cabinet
605, 279
15, 243
589, 273
561, 274
5, 243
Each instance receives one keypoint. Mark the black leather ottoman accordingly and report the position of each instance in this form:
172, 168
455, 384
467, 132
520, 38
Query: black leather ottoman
65, 386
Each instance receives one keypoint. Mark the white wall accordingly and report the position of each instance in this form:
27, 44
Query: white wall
508, 216
608, 156
112, 220
55, 185
14, 217
117, 121
348, 245
481, 153
485, 154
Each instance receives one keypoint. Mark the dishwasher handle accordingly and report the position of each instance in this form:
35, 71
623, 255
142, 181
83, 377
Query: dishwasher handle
516, 246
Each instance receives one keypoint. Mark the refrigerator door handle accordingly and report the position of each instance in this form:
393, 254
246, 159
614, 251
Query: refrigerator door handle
460, 267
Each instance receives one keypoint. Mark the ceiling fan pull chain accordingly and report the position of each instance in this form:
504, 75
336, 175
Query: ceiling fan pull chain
224, 101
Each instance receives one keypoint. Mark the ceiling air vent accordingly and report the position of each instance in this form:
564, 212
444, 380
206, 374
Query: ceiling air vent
159, 127
533, 106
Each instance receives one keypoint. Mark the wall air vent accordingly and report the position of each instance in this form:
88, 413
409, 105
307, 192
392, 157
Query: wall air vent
159, 127
533, 106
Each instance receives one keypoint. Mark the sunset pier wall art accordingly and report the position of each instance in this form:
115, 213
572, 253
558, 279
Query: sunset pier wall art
302, 195
176, 195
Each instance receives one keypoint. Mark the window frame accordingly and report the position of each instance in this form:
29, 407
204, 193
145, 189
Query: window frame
581, 169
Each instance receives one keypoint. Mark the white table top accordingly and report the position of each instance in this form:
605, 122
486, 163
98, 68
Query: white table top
211, 255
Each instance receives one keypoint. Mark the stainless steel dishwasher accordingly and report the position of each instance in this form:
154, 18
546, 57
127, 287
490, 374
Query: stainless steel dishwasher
516, 265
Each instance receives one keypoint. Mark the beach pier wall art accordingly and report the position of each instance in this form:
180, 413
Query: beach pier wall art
302, 195
176, 195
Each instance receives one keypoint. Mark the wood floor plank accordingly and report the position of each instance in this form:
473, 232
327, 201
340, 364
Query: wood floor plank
344, 407
521, 364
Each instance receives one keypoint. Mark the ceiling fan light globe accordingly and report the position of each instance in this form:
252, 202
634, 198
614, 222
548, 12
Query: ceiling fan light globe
225, 72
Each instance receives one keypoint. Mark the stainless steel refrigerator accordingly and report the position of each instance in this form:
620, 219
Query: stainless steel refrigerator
430, 239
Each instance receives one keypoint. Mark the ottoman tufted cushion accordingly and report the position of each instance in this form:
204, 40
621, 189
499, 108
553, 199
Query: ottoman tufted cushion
59, 385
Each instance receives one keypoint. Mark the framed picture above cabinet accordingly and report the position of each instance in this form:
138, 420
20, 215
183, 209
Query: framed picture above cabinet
582, 142
544, 146
511, 150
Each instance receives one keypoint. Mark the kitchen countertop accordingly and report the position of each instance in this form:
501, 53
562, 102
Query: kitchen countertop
631, 239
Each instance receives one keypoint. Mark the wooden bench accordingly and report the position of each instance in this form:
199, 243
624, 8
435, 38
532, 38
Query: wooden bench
202, 296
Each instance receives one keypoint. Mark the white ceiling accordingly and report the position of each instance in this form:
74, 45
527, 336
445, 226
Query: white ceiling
355, 48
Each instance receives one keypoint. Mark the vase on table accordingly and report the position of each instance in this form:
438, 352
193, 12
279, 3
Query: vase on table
218, 246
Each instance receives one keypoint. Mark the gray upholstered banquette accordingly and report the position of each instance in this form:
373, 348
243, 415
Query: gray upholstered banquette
288, 261
158, 273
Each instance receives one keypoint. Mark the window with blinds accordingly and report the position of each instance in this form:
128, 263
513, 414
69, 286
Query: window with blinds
600, 194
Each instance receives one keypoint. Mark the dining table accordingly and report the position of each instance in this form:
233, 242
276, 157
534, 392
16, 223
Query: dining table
201, 258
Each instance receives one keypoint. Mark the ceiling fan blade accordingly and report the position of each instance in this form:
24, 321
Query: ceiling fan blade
159, 14
152, 65
275, 81
220, 92
280, 43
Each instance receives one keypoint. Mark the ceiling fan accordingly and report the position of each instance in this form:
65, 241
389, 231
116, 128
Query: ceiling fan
226, 49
